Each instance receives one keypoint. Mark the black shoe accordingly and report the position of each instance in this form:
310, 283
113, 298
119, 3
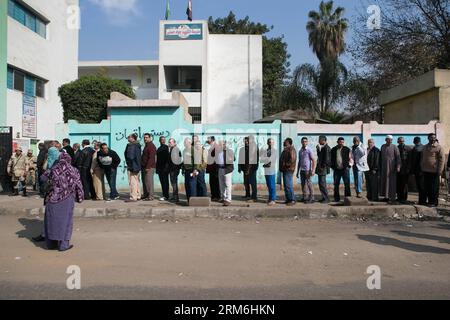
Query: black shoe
40, 238
64, 250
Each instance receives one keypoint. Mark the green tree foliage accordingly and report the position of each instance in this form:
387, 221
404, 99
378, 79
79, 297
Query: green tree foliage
414, 38
326, 29
85, 100
275, 55
324, 84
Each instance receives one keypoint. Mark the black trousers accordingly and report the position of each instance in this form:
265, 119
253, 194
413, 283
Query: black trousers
421, 189
343, 174
214, 185
174, 182
251, 183
402, 187
88, 184
164, 180
323, 188
431, 185
372, 183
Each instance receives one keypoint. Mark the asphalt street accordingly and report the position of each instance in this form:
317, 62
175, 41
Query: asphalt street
216, 259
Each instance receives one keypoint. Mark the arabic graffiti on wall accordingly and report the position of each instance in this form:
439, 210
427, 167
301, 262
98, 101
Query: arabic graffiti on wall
124, 133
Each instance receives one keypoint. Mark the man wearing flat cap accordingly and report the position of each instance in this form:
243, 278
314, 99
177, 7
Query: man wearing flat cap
18, 170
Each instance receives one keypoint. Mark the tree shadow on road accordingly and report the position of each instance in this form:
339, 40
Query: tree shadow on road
422, 236
32, 228
385, 241
442, 226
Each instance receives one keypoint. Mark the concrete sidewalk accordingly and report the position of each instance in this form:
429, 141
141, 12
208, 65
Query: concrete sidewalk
240, 209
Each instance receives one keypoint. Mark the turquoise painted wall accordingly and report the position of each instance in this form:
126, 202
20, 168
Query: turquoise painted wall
156, 121
167, 122
409, 139
3, 59
170, 122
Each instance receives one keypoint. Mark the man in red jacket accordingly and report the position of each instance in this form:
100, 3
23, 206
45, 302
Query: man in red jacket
148, 167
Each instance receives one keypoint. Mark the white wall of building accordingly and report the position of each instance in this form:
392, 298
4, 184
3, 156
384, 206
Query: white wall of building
234, 79
184, 53
232, 73
54, 59
140, 75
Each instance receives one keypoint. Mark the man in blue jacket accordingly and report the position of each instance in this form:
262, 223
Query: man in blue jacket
133, 160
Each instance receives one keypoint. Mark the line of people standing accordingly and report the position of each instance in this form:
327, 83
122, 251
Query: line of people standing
386, 171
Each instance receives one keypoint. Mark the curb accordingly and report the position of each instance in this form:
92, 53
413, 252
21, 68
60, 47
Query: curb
242, 213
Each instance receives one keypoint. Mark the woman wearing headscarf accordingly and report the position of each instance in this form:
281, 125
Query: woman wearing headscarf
65, 188
51, 158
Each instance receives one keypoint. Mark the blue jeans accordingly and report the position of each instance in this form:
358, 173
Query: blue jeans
272, 186
358, 176
288, 181
343, 174
111, 175
202, 190
195, 186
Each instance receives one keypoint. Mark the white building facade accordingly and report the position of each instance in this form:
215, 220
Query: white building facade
220, 76
42, 55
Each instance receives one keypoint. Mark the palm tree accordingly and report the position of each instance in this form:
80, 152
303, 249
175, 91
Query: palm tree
326, 30
325, 83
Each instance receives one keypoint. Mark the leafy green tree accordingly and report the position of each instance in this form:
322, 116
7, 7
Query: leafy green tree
361, 97
324, 83
85, 100
275, 56
413, 38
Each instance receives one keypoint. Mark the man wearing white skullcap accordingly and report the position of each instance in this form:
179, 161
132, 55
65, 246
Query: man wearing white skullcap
390, 166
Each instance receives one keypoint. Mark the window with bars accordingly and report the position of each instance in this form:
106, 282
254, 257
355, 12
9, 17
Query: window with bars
27, 18
196, 113
24, 82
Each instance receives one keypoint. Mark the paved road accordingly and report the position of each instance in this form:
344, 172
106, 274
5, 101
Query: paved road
212, 259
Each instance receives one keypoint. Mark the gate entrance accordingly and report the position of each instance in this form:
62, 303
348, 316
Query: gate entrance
6, 142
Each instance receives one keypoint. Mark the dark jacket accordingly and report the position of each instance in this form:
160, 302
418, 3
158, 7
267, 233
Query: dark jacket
40, 161
162, 159
133, 157
374, 159
405, 156
345, 157
416, 157
108, 160
323, 160
76, 158
211, 168
175, 154
244, 160
69, 151
149, 156
448, 162
84, 160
